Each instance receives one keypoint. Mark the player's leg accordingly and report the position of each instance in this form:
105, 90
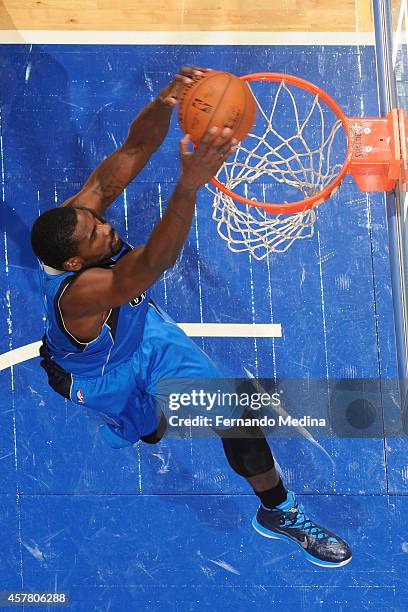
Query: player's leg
279, 516
168, 355
157, 434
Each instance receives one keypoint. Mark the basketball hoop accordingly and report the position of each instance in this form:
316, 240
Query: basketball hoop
295, 158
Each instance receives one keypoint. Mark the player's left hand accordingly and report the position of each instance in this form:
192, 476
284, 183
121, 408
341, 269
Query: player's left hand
198, 166
170, 94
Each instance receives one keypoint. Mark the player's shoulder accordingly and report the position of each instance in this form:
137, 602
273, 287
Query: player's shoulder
84, 288
90, 277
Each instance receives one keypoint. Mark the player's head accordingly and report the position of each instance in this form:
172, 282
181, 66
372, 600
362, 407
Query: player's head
72, 238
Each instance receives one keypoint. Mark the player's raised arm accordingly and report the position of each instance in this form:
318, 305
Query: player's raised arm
97, 290
146, 133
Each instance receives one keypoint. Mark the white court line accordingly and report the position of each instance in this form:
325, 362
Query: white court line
208, 330
68, 37
232, 330
29, 351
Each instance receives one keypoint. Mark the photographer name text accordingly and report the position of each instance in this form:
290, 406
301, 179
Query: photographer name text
264, 421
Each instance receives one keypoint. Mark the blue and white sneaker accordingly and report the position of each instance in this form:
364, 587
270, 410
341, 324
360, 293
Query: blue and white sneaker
289, 522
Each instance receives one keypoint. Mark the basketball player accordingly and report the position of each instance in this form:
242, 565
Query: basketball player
107, 345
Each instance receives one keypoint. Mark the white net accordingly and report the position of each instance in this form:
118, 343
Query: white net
294, 151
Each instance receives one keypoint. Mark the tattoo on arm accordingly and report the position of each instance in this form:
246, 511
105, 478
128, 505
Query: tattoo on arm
111, 177
107, 187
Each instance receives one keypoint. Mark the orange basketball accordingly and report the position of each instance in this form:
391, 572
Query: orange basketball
216, 99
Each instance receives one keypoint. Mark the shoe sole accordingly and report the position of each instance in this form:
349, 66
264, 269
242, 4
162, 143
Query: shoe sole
268, 534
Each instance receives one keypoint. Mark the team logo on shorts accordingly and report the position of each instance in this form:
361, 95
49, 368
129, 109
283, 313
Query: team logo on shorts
80, 396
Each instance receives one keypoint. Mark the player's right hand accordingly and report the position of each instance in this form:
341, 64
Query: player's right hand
200, 165
185, 76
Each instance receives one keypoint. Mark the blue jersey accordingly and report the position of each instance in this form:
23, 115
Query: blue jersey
120, 375
118, 339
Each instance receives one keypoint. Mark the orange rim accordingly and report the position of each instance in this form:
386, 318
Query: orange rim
318, 198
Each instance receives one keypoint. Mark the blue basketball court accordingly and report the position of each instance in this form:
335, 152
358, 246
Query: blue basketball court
168, 527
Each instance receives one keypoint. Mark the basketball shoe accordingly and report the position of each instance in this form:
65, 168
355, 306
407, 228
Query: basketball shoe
289, 522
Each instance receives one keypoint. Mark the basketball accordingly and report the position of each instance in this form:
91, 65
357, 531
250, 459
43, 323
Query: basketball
218, 99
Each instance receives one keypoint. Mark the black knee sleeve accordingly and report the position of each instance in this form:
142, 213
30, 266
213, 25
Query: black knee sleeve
157, 434
246, 449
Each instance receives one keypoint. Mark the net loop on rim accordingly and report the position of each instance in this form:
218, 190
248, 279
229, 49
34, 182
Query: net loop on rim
295, 148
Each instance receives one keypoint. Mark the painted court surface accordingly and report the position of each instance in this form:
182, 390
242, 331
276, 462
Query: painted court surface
168, 527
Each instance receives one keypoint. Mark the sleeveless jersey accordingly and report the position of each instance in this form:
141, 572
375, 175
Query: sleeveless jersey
118, 339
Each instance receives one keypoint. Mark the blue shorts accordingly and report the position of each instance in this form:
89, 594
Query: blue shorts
130, 396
